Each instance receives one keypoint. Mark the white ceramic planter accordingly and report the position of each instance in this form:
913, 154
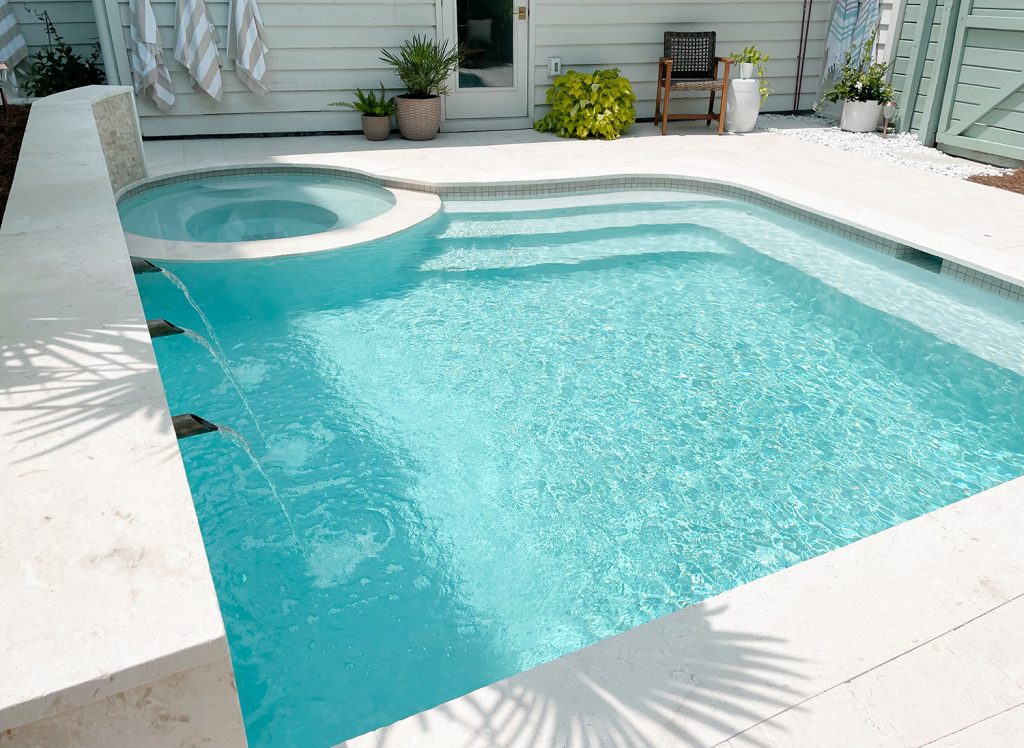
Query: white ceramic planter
742, 105
746, 70
860, 116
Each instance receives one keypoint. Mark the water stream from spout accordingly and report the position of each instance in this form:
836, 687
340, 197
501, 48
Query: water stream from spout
243, 444
222, 361
212, 344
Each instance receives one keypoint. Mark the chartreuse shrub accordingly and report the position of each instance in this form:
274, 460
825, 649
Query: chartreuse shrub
589, 105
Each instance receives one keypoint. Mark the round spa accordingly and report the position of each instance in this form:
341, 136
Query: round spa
246, 207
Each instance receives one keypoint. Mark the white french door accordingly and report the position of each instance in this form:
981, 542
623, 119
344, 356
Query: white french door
492, 80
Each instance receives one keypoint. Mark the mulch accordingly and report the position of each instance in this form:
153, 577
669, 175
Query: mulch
12, 130
1014, 181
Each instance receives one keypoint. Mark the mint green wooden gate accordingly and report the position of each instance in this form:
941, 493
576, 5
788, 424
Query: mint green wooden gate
960, 70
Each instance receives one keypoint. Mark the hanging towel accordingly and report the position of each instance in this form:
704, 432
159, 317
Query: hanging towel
196, 47
840, 34
246, 29
13, 48
868, 16
147, 56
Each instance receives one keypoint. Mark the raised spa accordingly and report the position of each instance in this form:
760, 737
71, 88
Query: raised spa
251, 207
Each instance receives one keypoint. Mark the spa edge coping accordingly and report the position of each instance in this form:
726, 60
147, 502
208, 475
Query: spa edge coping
988, 272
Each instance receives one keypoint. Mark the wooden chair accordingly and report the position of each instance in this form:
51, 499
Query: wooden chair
689, 64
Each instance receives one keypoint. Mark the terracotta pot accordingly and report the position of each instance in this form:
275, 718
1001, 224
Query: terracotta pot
376, 128
860, 116
418, 119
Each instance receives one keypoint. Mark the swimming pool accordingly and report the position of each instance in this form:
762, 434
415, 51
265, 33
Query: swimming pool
523, 427
251, 206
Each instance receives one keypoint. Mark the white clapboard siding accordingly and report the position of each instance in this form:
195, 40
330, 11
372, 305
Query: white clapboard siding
603, 33
74, 20
321, 50
319, 53
888, 29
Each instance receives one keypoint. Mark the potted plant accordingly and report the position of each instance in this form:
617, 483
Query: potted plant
746, 94
424, 65
862, 88
376, 110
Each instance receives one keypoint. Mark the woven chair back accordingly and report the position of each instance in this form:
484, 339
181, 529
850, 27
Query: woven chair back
692, 53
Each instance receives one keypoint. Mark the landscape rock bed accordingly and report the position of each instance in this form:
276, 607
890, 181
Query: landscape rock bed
902, 148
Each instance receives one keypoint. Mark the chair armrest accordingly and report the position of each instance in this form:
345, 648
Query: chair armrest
663, 60
726, 60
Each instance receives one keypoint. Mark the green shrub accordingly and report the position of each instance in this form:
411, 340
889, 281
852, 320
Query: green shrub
583, 105
58, 68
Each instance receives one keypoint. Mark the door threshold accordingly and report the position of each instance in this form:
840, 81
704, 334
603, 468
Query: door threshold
486, 123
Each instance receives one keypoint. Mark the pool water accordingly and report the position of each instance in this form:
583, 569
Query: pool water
252, 207
521, 428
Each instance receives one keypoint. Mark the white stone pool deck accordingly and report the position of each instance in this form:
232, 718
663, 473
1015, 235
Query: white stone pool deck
910, 637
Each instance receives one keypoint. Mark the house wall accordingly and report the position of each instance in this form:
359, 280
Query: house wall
74, 19
320, 51
607, 33
888, 29
913, 107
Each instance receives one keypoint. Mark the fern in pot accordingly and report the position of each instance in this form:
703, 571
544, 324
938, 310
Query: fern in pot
425, 67
376, 111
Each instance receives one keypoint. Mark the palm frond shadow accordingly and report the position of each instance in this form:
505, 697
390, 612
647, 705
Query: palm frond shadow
677, 681
59, 384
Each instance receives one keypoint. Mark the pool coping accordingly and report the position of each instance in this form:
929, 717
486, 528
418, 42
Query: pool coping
110, 615
933, 246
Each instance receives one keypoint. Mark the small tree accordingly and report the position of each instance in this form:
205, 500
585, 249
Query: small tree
58, 67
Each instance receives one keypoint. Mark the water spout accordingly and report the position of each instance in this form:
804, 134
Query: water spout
161, 328
189, 424
140, 266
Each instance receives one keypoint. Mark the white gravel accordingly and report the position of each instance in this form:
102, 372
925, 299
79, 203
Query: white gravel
902, 148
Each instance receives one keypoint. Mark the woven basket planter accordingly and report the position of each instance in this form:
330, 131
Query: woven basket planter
376, 128
418, 119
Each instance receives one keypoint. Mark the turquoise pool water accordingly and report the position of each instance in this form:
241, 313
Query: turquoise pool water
519, 429
251, 207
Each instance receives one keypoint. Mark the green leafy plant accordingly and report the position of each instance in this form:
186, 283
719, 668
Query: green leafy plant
369, 103
583, 105
861, 78
753, 56
57, 67
424, 65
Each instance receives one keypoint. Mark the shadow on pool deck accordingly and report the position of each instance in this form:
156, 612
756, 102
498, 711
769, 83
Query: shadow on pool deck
59, 384
677, 681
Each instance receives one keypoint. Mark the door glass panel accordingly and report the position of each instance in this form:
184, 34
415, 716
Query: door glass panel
485, 32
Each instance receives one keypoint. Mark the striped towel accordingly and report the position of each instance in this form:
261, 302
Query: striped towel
147, 56
13, 48
868, 16
246, 29
196, 47
840, 34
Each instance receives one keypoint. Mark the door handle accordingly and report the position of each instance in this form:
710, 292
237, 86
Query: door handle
522, 13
